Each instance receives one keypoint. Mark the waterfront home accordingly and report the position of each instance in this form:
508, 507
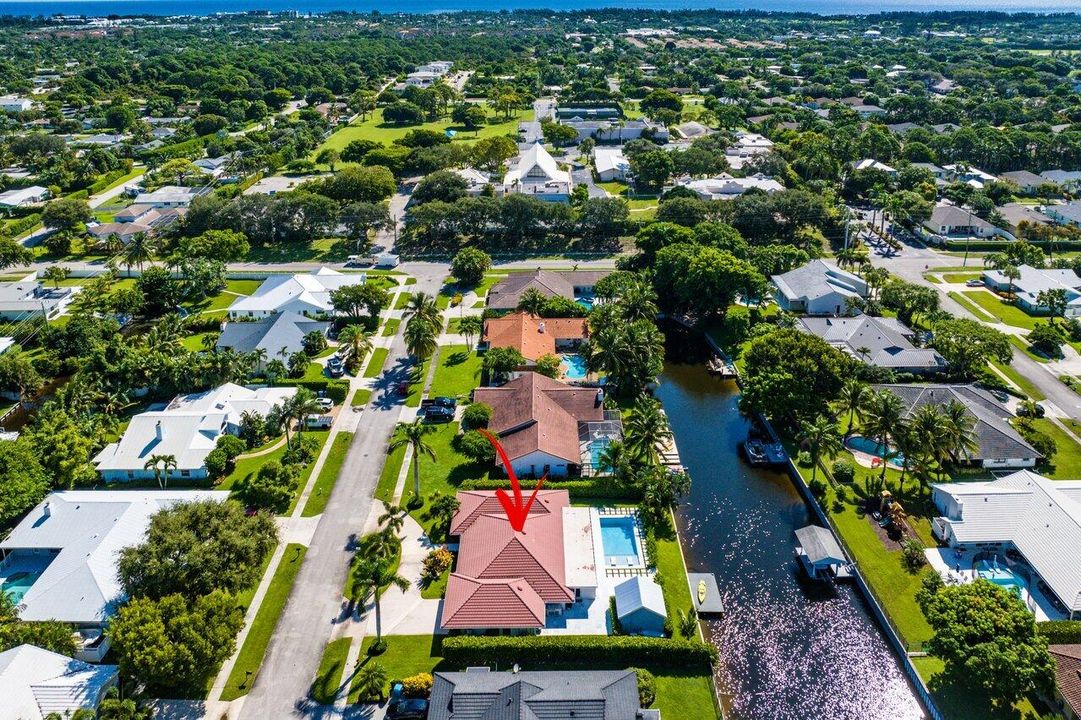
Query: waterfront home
505, 580
1024, 512
1032, 281
570, 284
882, 342
187, 428
277, 334
640, 606
30, 298
536, 173
818, 288
24, 197
37, 683
999, 445
548, 427
535, 336
59, 563
480, 693
303, 293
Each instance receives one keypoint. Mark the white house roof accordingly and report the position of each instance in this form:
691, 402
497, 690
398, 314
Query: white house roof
87, 529
188, 428
309, 292
816, 279
1041, 517
820, 546
22, 196
725, 186
35, 682
167, 195
637, 593
871, 164
536, 165
610, 160
1033, 281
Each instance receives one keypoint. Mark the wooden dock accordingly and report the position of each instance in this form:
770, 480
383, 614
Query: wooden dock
712, 604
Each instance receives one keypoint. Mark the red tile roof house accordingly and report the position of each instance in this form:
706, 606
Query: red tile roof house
544, 425
535, 336
517, 581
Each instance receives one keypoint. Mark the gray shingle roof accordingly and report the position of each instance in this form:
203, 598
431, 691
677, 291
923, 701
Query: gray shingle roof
505, 294
885, 340
483, 695
284, 330
997, 438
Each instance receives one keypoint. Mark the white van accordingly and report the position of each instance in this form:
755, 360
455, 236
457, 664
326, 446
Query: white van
385, 260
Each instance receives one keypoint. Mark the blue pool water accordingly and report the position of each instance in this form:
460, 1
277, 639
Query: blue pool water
870, 447
574, 366
17, 585
1001, 576
585, 301
617, 536
596, 451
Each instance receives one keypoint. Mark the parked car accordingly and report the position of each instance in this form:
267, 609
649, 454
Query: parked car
325, 403
974, 282
1038, 411
444, 402
437, 413
318, 421
411, 709
335, 366
1000, 395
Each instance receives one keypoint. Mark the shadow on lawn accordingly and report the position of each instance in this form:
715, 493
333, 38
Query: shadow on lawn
958, 698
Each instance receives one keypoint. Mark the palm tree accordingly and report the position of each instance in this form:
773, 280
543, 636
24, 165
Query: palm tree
370, 576
647, 427
423, 306
421, 338
639, 302
298, 407
359, 342
162, 465
851, 400
820, 438
471, 326
532, 301
959, 431
615, 460
393, 517
137, 251
371, 681
210, 341
412, 435
883, 420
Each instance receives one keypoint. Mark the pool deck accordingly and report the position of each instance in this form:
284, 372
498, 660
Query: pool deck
957, 568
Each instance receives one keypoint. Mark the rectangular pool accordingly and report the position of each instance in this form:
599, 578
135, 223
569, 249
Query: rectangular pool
618, 537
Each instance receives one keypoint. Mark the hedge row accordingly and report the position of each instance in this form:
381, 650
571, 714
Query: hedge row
106, 180
577, 489
1060, 632
335, 389
189, 148
592, 650
24, 224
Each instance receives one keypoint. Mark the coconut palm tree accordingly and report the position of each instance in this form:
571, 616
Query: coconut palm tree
412, 435
820, 438
883, 420
959, 431
162, 465
371, 681
471, 327
359, 342
421, 338
423, 306
297, 407
851, 400
532, 301
646, 428
370, 576
639, 302
926, 435
393, 518
138, 251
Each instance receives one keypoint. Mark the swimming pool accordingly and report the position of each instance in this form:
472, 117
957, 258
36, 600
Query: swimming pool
18, 584
574, 366
870, 447
619, 541
585, 301
1002, 576
596, 452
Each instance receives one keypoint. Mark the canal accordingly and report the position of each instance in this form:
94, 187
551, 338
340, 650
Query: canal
789, 650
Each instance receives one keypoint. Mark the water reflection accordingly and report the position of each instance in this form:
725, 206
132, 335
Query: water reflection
789, 650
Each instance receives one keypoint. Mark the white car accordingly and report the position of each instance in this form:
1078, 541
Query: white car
325, 403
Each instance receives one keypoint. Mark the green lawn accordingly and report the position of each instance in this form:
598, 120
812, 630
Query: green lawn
388, 478
437, 588
1067, 461
390, 327
457, 372
246, 467
973, 308
1021, 381
1005, 311
402, 301
376, 130
416, 384
361, 397
959, 700
677, 688
376, 362
960, 277
331, 668
445, 474
673, 576
328, 475
489, 280
266, 619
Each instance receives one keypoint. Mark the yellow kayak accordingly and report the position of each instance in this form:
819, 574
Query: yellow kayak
701, 591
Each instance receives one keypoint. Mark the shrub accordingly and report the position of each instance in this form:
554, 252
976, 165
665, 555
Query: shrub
817, 488
1047, 338
301, 451
378, 647
437, 562
475, 447
590, 650
585, 489
469, 266
231, 446
272, 487
843, 472
804, 459
217, 463
477, 415
912, 554
617, 626
647, 687
419, 685
1060, 632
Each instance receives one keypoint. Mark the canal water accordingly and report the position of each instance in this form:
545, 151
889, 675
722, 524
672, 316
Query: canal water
789, 650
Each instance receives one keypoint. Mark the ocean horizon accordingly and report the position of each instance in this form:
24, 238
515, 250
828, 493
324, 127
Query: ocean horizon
819, 7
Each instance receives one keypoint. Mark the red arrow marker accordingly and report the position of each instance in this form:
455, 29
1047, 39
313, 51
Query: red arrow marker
517, 513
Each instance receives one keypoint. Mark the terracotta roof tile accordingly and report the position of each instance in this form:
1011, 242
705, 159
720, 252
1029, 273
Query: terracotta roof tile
533, 336
1068, 673
475, 603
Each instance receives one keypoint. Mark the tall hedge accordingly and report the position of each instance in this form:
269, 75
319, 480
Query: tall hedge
1060, 632
592, 650
584, 489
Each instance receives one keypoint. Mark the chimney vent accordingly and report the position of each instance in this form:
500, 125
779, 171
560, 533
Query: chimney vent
540, 328
157, 429
46, 510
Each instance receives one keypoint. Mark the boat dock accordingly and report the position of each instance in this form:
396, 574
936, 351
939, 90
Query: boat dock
669, 454
705, 595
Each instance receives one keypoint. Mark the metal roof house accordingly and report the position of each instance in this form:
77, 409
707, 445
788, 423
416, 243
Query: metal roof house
36, 683
1000, 445
478, 694
818, 288
303, 293
1032, 281
64, 554
640, 606
1041, 518
537, 174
